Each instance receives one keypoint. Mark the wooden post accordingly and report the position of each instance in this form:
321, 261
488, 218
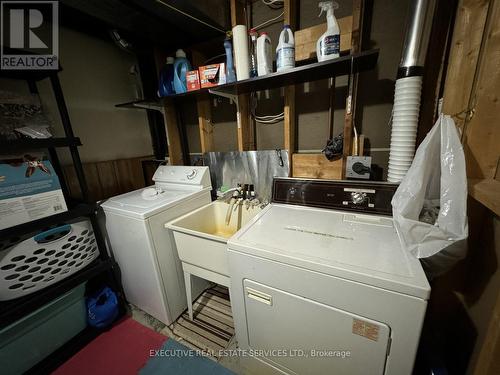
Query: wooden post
173, 135
205, 123
204, 111
289, 125
246, 136
357, 27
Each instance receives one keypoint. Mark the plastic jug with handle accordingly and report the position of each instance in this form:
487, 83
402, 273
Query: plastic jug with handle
181, 67
285, 52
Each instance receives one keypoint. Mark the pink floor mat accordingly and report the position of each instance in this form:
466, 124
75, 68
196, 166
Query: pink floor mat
123, 350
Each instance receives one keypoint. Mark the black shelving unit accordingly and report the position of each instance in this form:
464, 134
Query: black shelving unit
103, 269
27, 144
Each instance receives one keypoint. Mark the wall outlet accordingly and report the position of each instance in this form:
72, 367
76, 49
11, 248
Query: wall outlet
358, 167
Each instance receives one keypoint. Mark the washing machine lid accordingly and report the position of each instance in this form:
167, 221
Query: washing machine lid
359, 247
144, 203
172, 185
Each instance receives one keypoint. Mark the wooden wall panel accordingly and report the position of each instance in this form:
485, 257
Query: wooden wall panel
316, 166
473, 83
305, 39
466, 44
482, 131
107, 178
129, 174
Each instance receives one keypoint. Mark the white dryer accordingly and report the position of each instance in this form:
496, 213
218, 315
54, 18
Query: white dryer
151, 272
320, 275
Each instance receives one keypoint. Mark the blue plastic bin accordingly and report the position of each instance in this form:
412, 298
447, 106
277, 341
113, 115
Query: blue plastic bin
28, 341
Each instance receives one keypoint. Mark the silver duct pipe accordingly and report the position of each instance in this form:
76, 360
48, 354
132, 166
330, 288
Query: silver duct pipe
408, 90
418, 31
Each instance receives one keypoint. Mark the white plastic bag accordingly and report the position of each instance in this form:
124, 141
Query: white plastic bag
436, 178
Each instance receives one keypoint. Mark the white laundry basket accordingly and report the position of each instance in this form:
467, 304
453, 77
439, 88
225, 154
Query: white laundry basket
28, 265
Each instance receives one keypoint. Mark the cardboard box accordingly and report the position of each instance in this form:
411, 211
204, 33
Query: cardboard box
29, 190
193, 80
212, 75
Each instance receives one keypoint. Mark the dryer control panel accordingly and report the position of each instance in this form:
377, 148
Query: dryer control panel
368, 197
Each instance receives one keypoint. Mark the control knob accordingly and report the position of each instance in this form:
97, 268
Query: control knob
358, 197
190, 174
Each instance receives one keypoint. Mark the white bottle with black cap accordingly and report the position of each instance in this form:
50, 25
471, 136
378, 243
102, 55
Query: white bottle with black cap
285, 52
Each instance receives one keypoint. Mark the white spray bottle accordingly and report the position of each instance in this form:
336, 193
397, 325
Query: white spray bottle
328, 45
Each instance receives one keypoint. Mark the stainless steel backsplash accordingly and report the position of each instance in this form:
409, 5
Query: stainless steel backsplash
247, 167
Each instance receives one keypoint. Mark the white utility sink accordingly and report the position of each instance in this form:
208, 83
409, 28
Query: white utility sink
201, 240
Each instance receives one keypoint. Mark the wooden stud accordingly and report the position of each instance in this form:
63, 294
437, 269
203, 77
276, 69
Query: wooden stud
204, 111
289, 125
237, 13
289, 121
205, 123
246, 133
173, 135
357, 26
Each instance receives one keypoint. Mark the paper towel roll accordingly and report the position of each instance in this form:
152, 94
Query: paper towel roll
241, 55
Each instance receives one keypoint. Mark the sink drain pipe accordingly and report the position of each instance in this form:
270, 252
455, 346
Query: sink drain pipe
407, 94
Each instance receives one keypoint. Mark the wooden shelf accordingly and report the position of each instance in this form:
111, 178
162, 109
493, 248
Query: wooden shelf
312, 72
359, 62
143, 104
486, 192
27, 143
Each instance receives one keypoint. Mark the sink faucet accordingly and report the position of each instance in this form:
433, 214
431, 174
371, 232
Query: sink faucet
232, 196
229, 194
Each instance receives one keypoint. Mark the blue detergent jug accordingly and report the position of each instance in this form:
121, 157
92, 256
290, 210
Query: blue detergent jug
230, 72
166, 86
102, 308
181, 67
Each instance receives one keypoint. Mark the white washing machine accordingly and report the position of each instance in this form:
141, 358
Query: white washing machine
320, 274
145, 251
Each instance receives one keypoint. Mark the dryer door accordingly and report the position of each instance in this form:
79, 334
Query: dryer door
314, 338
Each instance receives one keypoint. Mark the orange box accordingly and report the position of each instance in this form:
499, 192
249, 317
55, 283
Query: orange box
212, 75
192, 80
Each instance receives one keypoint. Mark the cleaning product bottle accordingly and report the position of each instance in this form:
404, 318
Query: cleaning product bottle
328, 45
253, 52
181, 67
166, 86
285, 52
264, 55
230, 72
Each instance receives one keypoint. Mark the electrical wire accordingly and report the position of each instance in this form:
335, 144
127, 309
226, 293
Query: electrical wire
214, 58
274, 4
355, 148
268, 22
269, 119
190, 16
